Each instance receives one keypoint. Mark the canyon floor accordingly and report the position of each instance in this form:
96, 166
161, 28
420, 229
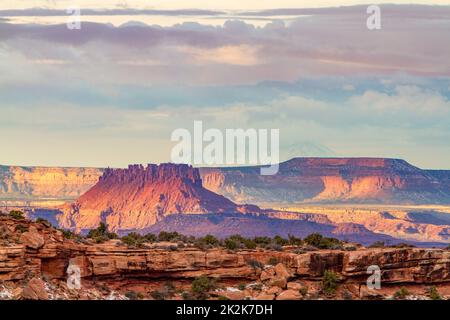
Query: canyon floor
35, 260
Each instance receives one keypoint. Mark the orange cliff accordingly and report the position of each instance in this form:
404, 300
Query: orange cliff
138, 197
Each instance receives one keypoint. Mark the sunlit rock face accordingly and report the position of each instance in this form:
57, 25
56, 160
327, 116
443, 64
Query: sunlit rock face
332, 180
41, 183
139, 196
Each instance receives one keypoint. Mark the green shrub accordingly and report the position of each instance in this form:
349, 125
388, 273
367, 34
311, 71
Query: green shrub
67, 234
16, 214
402, 293
303, 291
329, 282
262, 241
101, 234
133, 239
168, 236
150, 237
201, 286
231, 244
249, 244
272, 261
434, 294
321, 242
242, 286
294, 241
43, 221
220, 297
280, 241
210, 240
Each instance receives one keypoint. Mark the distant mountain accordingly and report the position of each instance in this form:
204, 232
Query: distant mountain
332, 180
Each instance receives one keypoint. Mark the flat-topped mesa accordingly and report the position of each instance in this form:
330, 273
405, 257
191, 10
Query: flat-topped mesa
331, 180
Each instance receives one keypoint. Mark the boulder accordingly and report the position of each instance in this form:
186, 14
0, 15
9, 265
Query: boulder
265, 296
32, 239
279, 282
282, 271
294, 286
34, 290
289, 295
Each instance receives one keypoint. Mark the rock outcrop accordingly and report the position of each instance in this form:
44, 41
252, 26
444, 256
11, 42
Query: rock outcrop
115, 260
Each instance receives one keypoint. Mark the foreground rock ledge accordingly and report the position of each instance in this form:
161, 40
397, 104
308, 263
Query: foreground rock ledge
44, 253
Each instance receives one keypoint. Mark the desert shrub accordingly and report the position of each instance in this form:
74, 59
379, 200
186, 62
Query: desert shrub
133, 239
303, 291
132, 295
402, 293
67, 234
272, 261
249, 244
294, 241
206, 242
231, 244
255, 264
262, 241
321, 242
434, 294
242, 286
101, 233
44, 222
313, 239
186, 295
329, 282
150, 237
173, 248
21, 228
158, 295
220, 297
16, 214
280, 241
201, 285
168, 236
377, 244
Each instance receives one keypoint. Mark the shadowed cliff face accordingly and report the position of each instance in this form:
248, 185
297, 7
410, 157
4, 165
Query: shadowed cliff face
138, 197
331, 180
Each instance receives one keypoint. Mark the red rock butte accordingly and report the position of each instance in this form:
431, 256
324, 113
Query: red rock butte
139, 196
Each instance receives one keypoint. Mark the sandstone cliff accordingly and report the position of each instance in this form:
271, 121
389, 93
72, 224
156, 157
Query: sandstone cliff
331, 180
35, 250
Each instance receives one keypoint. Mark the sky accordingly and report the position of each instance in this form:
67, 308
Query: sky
112, 92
